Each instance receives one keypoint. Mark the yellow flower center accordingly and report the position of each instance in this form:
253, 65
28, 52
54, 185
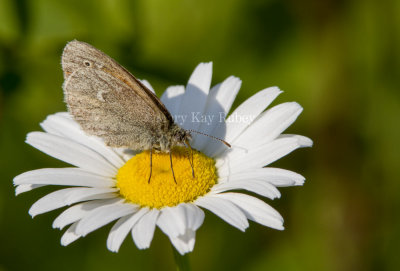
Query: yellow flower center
161, 191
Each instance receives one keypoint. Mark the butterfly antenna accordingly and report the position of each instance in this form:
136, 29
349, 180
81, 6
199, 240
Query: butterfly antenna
190, 161
213, 137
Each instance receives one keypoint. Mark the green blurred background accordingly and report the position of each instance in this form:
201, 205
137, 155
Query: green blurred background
339, 59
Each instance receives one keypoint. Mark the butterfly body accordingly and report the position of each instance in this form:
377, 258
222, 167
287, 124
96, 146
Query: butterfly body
109, 102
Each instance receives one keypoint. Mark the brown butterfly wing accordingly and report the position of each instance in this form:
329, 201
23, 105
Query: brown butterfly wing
107, 101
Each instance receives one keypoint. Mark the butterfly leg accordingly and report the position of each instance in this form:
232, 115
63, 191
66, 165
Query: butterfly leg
192, 164
151, 164
190, 160
172, 168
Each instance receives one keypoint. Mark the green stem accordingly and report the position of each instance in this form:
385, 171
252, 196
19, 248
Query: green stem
182, 261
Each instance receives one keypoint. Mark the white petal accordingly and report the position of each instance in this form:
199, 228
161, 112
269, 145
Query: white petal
224, 209
269, 125
79, 211
275, 176
201, 77
62, 124
262, 155
70, 235
175, 221
25, 188
246, 113
63, 176
303, 140
256, 209
184, 243
125, 154
260, 187
172, 99
68, 196
172, 221
219, 102
71, 152
121, 229
148, 85
196, 93
143, 231
194, 215
103, 215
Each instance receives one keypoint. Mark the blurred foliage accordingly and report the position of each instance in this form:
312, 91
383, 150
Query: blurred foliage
339, 59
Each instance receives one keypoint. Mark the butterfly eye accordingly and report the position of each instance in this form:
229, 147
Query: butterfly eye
87, 63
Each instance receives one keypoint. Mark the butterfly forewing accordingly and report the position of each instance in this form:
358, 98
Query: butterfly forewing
107, 101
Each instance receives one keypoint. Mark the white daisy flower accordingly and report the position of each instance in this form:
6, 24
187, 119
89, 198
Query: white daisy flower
109, 184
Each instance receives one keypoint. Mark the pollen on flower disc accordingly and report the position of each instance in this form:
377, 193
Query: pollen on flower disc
133, 177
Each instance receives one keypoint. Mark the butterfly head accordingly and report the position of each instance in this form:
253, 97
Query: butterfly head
179, 136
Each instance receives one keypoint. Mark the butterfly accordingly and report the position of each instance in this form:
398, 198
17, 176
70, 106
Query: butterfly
109, 102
